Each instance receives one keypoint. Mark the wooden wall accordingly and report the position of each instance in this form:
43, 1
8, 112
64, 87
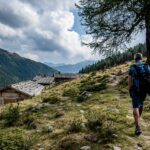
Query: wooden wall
11, 96
57, 80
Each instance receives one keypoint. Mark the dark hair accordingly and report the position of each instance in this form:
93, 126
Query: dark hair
138, 56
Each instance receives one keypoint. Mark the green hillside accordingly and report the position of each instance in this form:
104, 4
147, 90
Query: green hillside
14, 68
64, 119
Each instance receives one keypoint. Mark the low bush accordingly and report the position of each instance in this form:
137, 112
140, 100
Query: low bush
81, 98
96, 87
91, 85
124, 82
14, 139
102, 78
75, 126
103, 123
28, 121
108, 135
147, 107
71, 92
52, 99
94, 120
11, 115
93, 73
69, 143
146, 116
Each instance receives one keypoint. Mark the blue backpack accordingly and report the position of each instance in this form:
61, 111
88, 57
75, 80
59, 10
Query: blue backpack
141, 81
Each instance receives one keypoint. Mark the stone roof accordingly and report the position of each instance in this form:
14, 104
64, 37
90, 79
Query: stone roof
36, 78
45, 80
28, 87
66, 75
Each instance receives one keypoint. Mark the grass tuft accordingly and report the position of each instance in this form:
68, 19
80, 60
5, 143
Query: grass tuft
11, 115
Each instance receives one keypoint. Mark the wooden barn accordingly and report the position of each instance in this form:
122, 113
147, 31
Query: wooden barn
44, 80
62, 77
19, 92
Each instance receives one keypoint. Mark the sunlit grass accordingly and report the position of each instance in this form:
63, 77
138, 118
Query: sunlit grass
111, 118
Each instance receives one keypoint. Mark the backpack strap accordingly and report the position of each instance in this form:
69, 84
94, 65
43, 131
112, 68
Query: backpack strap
147, 69
136, 69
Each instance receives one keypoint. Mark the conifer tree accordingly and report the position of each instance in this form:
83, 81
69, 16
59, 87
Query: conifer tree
113, 23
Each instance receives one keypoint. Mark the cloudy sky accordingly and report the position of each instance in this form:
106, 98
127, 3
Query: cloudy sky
45, 30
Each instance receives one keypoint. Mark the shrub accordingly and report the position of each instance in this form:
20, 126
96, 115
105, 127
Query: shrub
52, 99
14, 139
93, 73
81, 98
96, 87
108, 134
69, 143
75, 126
124, 82
100, 83
104, 123
29, 121
146, 116
93, 120
102, 79
11, 115
71, 92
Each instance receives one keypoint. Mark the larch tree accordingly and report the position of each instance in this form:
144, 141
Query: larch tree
114, 23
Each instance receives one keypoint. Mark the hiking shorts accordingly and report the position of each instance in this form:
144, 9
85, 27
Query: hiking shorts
137, 101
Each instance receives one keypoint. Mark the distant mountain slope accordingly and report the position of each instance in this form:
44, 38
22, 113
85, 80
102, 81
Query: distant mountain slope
54, 65
14, 68
71, 68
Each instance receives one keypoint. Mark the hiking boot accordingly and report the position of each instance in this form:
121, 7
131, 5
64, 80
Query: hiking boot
138, 131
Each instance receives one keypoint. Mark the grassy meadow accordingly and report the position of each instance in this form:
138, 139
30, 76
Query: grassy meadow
93, 111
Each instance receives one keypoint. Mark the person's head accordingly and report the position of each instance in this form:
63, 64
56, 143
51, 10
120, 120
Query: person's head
138, 57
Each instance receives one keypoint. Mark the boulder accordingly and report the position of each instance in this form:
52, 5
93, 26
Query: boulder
91, 137
85, 148
117, 148
50, 128
82, 111
59, 114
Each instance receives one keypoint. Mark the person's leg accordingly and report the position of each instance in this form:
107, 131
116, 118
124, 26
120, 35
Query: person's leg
136, 115
140, 111
141, 102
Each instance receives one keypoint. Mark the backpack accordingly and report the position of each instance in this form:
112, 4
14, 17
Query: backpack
141, 81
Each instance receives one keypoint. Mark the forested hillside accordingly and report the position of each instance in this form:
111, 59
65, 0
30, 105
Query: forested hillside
14, 68
115, 59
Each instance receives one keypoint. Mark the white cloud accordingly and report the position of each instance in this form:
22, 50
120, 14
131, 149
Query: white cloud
138, 38
42, 30
6, 31
17, 14
30, 55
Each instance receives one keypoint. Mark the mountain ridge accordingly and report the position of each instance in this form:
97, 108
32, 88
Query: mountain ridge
14, 68
71, 68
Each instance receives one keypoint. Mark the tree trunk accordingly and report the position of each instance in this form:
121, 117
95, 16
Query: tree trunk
148, 38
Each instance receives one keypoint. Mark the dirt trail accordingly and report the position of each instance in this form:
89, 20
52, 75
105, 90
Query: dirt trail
145, 135
114, 80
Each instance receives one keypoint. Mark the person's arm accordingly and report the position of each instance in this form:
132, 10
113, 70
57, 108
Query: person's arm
129, 82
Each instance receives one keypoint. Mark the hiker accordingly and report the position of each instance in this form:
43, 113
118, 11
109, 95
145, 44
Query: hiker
137, 88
